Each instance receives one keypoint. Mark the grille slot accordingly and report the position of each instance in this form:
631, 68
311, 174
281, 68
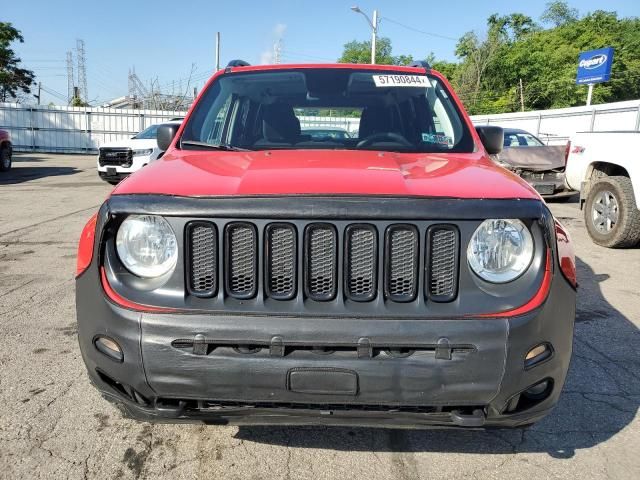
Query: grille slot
321, 257
361, 255
281, 278
442, 263
401, 273
241, 260
202, 258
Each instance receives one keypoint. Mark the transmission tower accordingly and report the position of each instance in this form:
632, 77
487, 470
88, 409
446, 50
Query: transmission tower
82, 70
70, 80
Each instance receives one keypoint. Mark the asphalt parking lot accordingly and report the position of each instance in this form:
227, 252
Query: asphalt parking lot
53, 424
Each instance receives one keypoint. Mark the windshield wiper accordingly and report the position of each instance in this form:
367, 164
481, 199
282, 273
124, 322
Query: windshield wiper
210, 146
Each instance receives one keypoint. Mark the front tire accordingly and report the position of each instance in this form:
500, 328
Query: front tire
5, 159
611, 215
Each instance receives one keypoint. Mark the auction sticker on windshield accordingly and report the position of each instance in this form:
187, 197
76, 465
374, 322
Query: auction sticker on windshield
400, 81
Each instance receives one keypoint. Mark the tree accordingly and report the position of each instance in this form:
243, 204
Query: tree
12, 77
360, 52
78, 102
559, 13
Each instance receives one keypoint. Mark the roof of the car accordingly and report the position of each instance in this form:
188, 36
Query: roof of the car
351, 66
515, 130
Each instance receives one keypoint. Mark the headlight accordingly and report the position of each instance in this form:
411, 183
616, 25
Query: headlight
500, 250
143, 153
147, 245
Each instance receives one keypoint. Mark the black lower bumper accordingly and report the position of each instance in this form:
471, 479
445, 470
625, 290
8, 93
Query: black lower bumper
340, 371
113, 176
550, 184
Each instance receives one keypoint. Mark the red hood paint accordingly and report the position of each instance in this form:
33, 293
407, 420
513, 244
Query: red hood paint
325, 172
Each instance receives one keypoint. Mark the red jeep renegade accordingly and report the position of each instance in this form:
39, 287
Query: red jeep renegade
266, 272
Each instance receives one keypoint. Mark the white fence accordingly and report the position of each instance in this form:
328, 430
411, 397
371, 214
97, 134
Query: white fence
73, 129
556, 126
78, 130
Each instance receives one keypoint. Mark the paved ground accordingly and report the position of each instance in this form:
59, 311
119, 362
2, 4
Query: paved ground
54, 425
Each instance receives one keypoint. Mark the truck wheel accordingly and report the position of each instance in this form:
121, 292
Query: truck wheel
5, 159
611, 215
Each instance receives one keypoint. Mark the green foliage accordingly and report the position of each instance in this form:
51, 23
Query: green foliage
360, 52
78, 102
559, 13
12, 77
515, 47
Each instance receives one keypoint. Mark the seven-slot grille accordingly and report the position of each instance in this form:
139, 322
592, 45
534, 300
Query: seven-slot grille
115, 157
362, 257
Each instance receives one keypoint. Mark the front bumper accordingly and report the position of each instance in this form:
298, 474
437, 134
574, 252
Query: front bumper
549, 184
112, 175
163, 378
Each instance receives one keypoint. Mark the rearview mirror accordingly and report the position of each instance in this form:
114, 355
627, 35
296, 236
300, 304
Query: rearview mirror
492, 138
165, 135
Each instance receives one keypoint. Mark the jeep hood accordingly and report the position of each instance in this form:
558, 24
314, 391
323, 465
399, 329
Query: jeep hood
325, 172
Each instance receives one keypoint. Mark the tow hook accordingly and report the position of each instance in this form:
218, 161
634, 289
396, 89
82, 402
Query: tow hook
463, 419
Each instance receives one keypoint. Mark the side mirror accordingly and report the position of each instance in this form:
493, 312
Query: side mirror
165, 135
492, 138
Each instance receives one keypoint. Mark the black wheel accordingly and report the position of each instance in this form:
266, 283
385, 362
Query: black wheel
610, 213
5, 159
113, 182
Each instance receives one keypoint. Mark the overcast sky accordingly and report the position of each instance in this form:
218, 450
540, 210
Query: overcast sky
162, 39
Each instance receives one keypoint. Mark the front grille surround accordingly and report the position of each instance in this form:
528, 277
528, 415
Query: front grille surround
241, 260
281, 261
361, 262
321, 260
401, 268
115, 157
442, 262
201, 252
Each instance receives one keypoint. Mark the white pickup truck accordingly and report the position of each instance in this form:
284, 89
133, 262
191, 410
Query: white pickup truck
605, 168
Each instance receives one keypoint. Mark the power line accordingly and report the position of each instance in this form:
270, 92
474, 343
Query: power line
417, 30
292, 54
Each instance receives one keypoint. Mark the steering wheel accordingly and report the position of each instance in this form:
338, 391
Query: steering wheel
379, 137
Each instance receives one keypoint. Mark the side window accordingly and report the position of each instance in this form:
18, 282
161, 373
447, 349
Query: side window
511, 140
219, 121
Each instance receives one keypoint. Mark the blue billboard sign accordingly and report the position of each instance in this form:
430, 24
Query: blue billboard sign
594, 66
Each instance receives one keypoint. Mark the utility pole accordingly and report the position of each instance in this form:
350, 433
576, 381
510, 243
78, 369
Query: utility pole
374, 30
39, 91
217, 51
374, 35
521, 97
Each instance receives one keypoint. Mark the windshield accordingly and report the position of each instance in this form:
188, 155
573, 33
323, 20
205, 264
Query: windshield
521, 139
328, 109
148, 133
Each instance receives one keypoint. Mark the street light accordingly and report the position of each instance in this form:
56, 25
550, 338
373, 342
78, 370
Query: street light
374, 29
